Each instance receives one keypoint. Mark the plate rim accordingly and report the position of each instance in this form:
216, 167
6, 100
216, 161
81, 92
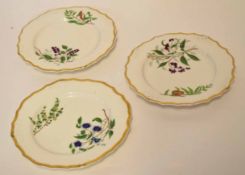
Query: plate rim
83, 67
172, 103
89, 162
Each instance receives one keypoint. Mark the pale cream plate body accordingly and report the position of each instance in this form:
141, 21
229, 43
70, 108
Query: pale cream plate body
67, 39
180, 69
71, 123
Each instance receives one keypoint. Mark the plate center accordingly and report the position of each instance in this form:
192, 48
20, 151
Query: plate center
57, 136
200, 73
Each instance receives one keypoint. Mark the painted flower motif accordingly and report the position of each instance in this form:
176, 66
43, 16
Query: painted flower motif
92, 134
58, 55
96, 140
73, 52
79, 17
86, 125
97, 128
177, 93
55, 49
174, 54
78, 144
187, 91
166, 47
174, 67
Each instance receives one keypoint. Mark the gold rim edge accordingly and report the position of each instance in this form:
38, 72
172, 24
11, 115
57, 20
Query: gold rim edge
90, 162
171, 103
93, 62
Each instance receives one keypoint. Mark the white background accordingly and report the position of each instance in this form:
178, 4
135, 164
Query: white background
203, 140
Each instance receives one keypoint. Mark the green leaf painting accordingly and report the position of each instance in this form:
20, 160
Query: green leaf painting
182, 44
162, 64
97, 119
193, 57
184, 60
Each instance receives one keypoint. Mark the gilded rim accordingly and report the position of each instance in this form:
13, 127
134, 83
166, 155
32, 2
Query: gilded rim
172, 103
94, 61
90, 162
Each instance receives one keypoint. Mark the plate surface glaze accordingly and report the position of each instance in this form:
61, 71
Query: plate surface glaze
180, 69
71, 123
67, 39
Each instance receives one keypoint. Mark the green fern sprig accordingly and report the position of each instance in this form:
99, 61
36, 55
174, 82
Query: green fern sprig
44, 119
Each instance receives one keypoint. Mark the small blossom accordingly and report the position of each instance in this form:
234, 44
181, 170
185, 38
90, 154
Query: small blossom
86, 125
177, 93
72, 53
78, 143
174, 64
96, 140
55, 49
81, 15
166, 47
172, 71
181, 70
97, 128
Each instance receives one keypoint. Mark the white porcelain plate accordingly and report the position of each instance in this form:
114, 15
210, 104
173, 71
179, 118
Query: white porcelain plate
71, 123
67, 39
180, 69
